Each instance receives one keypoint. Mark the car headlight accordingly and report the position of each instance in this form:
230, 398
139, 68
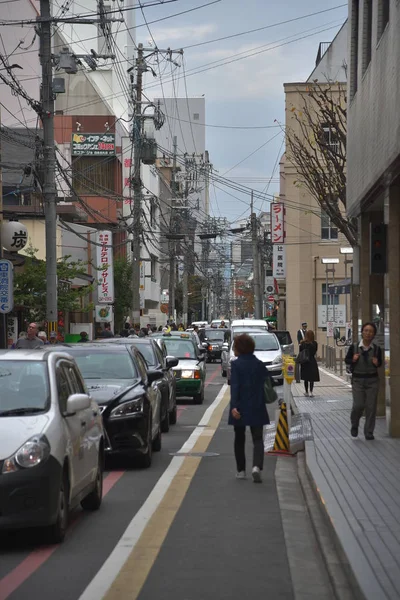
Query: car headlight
34, 452
127, 409
277, 360
187, 374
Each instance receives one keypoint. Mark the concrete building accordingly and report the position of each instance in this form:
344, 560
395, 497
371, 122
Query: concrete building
310, 235
373, 189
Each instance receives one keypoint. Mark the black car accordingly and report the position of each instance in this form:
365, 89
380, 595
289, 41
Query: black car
118, 379
214, 338
157, 360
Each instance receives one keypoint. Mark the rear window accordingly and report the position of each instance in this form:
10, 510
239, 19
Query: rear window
215, 334
105, 365
284, 337
180, 348
265, 342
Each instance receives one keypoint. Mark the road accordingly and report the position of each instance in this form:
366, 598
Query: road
194, 517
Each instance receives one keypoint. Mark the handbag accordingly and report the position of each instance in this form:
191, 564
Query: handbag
304, 357
270, 394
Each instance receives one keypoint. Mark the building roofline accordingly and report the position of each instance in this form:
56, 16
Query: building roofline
345, 23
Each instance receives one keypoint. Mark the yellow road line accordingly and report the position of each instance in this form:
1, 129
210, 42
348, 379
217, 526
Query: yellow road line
133, 575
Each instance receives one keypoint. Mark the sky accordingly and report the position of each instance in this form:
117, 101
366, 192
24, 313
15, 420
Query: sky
248, 92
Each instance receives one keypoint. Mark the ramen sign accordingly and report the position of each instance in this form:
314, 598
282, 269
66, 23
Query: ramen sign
93, 144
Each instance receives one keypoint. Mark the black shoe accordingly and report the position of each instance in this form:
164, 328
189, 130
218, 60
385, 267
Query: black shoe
369, 436
354, 431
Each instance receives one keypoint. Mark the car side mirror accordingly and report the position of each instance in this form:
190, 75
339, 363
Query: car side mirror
77, 402
203, 350
204, 346
154, 376
171, 361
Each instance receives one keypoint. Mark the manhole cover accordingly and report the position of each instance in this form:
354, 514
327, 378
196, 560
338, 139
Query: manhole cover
195, 454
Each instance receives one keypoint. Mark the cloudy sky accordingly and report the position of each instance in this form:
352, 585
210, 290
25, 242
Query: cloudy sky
247, 92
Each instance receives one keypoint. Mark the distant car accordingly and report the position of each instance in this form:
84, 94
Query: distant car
51, 441
190, 372
157, 360
118, 379
267, 350
217, 322
214, 338
248, 324
286, 342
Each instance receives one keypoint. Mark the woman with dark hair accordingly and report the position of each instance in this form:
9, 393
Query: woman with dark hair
247, 407
364, 359
308, 363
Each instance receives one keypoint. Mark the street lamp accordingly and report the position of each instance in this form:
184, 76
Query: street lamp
327, 262
348, 261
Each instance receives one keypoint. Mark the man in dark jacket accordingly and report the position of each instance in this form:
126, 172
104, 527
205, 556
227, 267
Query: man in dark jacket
106, 333
301, 333
364, 360
247, 406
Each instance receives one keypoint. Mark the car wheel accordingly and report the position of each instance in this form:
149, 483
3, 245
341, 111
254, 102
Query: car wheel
223, 373
145, 460
157, 442
93, 500
173, 416
57, 531
199, 398
165, 421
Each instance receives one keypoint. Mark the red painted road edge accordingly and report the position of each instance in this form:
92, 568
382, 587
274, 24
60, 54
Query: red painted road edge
35, 559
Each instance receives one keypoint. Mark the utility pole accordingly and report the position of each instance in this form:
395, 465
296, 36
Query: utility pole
172, 246
256, 263
137, 185
49, 165
186, 265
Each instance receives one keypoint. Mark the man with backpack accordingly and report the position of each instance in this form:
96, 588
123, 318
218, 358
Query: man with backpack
364, 359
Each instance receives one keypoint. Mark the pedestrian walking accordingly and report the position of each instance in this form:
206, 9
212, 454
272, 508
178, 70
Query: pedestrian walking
84, 337
31, 341
247, 407
125, 331
309, 372
53, 340
106, 332
43, 336
301, 333
364, 360
22, 335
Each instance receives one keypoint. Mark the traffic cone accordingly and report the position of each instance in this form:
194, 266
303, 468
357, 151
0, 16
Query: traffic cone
282, 444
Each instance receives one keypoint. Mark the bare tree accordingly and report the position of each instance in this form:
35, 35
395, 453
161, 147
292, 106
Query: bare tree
317, 149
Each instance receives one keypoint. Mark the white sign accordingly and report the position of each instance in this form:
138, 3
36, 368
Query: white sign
278, 223
142, 275
338, 316
142, 300
6, 286
12, 331
104, 313
329, 328
14, 236
269, 285
279, 261
164, 296
104, 253
127, 172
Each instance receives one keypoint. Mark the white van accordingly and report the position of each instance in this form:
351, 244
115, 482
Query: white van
217, 322
249, 323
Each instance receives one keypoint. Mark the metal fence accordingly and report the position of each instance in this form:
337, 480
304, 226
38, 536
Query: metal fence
332, 359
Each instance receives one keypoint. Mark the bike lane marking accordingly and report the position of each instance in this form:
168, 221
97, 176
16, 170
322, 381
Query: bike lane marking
125, 571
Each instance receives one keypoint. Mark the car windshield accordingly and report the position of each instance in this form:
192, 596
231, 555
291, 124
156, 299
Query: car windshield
24, 387
146, 350
105, 365
265, 342
215, 334
284, 337
180, 348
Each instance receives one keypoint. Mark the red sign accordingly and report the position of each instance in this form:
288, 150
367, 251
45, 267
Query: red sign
278, 223
271, 298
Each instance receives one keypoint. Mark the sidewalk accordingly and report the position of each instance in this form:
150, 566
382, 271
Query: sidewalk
359, 486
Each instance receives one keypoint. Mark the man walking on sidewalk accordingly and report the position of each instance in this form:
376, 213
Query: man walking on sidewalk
301, 334
364, 361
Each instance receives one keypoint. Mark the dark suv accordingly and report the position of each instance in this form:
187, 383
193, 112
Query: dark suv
214, 339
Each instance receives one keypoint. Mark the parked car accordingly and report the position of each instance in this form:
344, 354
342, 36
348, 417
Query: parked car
217, 322
214, 338
190, 372
226, 346
51, 441
117, 377
286, 342
267, 350
248, 324
157, 360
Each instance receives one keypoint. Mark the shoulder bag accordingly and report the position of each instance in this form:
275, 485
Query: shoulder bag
270, 394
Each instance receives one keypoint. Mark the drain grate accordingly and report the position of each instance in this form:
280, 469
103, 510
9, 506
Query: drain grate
195, 454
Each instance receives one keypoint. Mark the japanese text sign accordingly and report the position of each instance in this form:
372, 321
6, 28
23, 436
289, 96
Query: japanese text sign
6, 286
279, 261
93, 144
278, 223
104, 253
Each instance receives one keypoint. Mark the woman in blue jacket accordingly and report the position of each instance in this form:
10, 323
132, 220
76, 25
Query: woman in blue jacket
247, 406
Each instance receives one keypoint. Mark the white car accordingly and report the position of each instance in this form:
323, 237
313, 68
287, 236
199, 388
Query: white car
268, 350
51, 441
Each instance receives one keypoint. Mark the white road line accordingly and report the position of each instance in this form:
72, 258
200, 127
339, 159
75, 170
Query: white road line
105, 577
335, 377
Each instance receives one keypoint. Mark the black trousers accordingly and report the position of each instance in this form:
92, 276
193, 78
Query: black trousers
258, 447
306, 385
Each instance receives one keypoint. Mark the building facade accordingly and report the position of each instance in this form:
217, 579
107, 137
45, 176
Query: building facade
373, 184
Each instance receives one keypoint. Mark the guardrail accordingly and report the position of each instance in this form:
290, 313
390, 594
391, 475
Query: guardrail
332, 360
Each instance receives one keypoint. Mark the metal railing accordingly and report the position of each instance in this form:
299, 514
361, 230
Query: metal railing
332, 360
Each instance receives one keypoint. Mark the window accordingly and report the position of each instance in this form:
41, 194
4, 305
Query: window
332, 299
153, 268
355, 15
93, 176
328, 229
63, 388
383, 16
330, 137
75, 381
367, 34
196, 116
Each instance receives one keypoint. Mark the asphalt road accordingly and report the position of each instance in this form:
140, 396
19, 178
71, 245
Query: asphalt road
29, 569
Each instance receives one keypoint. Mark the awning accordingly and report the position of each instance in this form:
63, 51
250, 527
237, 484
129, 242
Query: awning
340, 287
